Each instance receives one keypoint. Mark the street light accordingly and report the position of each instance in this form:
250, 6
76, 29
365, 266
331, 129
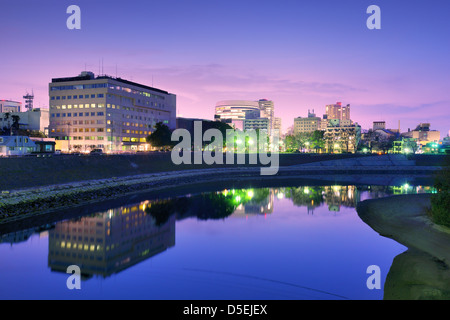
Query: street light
68, 136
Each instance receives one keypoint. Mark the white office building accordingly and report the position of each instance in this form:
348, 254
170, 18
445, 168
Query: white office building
112, 114
34, 120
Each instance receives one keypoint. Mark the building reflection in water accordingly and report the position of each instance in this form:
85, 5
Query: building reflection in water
109, 242
251, 201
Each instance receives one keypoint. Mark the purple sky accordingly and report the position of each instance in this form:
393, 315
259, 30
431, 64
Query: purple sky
300, 54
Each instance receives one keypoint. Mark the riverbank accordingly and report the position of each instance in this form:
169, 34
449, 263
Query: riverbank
31, 172
23, 203
405, 219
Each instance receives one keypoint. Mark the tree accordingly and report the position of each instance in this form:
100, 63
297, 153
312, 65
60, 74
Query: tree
6, 130
290, 143
161, 137
302, 138
221, 126
440, 201
15, 125
316, 140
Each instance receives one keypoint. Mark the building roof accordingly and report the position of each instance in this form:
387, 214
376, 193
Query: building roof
14, 141
90, 76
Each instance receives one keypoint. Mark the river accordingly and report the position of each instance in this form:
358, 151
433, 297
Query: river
284, 243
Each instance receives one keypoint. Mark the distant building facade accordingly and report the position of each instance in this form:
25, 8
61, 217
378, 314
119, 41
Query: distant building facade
337, 111
309, 124
277, 125
242, 114
234, 112
423, 134
34, 120
10, 106
257, 124
342, 138
379, 125
267, 111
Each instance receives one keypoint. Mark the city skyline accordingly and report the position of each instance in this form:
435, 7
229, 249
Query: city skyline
299, 55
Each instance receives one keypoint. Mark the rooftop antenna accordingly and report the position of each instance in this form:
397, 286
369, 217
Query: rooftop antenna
29, 100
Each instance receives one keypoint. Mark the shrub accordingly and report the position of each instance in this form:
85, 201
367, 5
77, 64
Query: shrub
440, 202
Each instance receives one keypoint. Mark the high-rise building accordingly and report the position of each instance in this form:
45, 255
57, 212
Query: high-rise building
256, 124
277, 125
267, 111
338, 111
108, 113
234, 112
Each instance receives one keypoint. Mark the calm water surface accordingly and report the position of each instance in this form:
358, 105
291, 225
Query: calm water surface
283, 243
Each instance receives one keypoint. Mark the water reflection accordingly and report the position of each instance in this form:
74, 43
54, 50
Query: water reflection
146, 217
111, 241
416, 275
108, 242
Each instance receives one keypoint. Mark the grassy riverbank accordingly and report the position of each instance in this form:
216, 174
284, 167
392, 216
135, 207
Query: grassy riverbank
440, 202
405, 219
